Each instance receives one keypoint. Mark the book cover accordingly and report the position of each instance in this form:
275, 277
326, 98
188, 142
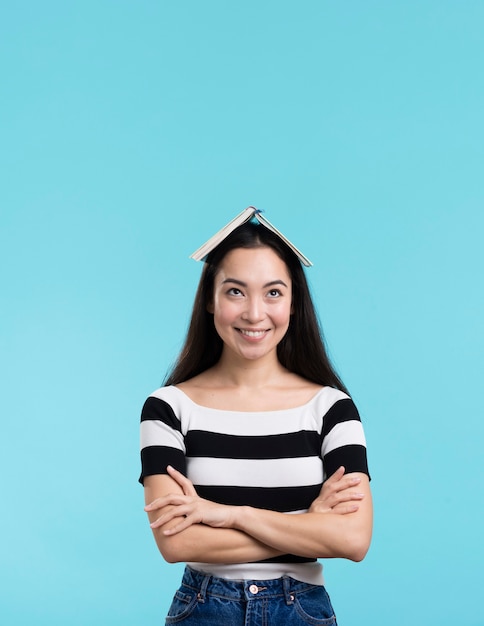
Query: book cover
246, 215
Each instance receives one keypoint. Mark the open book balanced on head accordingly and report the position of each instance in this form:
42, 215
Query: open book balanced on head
250, 213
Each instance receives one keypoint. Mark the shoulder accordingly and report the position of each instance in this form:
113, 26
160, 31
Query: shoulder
334, 406
295, 391
167, 404
198, 391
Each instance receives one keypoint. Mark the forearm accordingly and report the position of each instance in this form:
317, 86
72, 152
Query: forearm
251, 534
312, 535
199, 542
212, 545
189, 528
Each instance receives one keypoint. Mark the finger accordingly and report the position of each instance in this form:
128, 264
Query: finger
338, 474
332, 483
327, 504
183, 481
351, 481
336, 485
183, 525
172, 498
345, 496
345, 509
179, 511
156, 504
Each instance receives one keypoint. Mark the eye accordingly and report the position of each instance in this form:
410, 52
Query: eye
274, 293
234, 291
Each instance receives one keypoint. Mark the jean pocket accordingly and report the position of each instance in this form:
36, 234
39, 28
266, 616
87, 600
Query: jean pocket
182, 606
314, 607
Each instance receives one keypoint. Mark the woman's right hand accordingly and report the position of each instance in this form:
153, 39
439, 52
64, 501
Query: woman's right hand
189, 507
337, 494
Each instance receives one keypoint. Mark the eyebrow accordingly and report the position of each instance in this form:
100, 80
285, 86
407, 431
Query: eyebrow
242, 284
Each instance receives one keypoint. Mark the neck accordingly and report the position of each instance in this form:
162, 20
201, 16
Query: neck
233, 372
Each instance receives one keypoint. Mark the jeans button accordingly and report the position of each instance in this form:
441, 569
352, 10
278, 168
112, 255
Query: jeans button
254, 589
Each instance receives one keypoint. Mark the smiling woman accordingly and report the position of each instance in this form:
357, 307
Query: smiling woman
253, 454
251, 304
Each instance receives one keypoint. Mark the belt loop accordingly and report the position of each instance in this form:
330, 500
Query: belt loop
286, 585
203, 588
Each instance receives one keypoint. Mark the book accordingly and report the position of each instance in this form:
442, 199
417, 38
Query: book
247, 214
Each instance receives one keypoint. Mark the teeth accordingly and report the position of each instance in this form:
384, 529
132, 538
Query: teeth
252, 333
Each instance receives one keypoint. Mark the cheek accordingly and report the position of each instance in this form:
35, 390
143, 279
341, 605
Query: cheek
223, 322
225, 314
283, 314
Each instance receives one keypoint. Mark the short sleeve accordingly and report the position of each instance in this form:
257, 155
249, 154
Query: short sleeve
161, 438
343, 440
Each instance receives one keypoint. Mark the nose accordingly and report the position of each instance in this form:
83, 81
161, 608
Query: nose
254, 310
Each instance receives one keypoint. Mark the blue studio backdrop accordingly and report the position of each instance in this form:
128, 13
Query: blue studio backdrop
130, 132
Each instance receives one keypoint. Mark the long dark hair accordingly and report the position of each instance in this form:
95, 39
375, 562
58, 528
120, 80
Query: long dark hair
302, 350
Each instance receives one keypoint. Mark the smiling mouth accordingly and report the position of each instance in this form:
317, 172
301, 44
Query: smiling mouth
252, 333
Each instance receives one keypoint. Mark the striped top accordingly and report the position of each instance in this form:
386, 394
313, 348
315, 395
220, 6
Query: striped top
275, 460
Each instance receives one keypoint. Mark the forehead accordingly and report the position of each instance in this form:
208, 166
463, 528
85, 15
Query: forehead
254, 265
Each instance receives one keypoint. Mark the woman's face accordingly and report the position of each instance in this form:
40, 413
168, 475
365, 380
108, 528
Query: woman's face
252, 301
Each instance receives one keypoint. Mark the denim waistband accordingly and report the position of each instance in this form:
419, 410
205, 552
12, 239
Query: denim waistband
206, 584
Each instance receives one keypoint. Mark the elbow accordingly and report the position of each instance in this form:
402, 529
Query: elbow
357, 548
170, 556
353, 548
358, 554
171, 549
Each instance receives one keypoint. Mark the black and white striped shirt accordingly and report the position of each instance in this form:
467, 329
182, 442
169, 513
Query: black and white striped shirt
274, 460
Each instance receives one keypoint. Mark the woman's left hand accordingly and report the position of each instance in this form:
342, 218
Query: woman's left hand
189, 506
337, 494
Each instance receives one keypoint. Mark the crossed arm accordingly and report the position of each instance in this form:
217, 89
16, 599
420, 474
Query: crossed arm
189, 528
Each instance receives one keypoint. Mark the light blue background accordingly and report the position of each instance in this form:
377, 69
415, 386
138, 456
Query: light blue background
130, 132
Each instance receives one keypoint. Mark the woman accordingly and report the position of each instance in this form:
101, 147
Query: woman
237, 445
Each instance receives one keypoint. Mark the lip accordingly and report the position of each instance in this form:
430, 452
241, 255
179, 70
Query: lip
253, 333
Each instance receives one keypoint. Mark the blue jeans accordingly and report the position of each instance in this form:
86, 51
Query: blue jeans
204, 600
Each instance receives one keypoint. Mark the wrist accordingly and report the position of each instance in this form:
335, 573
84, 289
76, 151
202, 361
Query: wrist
239, 518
